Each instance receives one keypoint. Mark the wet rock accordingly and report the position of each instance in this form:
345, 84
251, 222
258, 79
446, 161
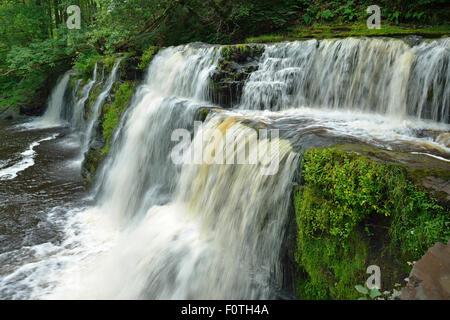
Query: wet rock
430, 276
8, 113
37, 104
413, 40
92, 161
235, 66
129, 71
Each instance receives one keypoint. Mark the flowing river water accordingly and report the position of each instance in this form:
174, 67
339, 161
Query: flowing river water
151, 228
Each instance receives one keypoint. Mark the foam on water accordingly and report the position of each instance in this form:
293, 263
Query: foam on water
27, 160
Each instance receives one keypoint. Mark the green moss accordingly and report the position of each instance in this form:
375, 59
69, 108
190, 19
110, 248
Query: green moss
85, 63
113, 112
353, 212
202, 114
93, 95
354, 30
90, 163
240, 53
147, 57
417, 175
109, 61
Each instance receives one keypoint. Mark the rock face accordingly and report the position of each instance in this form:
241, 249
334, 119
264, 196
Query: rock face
129, 71
235, 66
8, 113
430, 277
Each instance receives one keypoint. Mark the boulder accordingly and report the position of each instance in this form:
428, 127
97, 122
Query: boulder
430, 276
235, 66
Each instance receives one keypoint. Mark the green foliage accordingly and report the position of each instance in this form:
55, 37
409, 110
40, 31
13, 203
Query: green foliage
329, 269
342, 195
123, 96
35, 39
375, 294
85, 62
352, 188
371, 294
110, 123
109, 61
112, 112
147, 57
35, 46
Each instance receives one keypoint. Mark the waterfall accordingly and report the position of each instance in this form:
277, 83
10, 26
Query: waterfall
77, 117
96, 108
372, 75
175, 87
220, 237
52, 115
184, 230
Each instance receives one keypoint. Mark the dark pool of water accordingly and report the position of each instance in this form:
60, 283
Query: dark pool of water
50, 186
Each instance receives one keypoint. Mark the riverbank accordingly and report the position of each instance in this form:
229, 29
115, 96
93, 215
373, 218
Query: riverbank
353, 30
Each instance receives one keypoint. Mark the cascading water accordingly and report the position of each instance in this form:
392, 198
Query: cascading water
217, 238
183, 238
77, 117
371, 75
175, 88
52, 115
93, 119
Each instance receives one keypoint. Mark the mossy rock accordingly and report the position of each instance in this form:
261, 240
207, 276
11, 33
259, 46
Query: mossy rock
90, 102
111, 113
329, 31
241, 53
353, 212
236, 64
202, 114
147, 57
431, 174
90, 165
115, 105
109, 61
128, 70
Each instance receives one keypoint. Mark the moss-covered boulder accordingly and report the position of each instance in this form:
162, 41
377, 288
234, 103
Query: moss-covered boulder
236, 64
353, 212
147, 57
430, 173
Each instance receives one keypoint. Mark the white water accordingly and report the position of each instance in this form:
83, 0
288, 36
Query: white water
96, 108
27, 160
372, 75
55, 104
214, 240
192, 233
77, 118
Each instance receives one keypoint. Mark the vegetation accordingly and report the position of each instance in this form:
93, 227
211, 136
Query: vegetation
356, 30
113, 112
147, 56
351, 207
36, 45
